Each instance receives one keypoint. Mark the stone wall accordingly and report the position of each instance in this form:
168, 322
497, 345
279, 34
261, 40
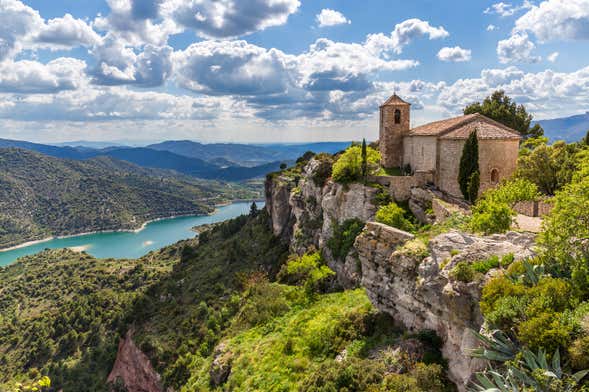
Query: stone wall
533, 208
500, 155
420, 152
400, 186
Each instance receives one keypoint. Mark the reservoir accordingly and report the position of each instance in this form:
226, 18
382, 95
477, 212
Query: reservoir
123, 245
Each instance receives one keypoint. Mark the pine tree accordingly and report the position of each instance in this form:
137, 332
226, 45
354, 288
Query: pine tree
469, 164
364, 161
254, 209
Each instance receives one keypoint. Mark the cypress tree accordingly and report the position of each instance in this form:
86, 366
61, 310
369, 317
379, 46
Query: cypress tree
253, 209
364, 161
473, 186
469, 164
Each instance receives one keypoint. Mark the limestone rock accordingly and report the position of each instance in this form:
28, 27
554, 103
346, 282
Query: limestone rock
411, 288
133, 369
221, 366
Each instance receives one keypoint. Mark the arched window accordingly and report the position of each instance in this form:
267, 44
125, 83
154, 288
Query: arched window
494, 176
397, 116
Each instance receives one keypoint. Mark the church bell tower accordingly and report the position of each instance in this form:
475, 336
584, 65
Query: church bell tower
394, 126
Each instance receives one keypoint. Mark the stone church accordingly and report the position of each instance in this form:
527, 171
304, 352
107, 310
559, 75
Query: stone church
436, 148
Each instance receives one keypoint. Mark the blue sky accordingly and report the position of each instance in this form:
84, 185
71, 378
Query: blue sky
277, 70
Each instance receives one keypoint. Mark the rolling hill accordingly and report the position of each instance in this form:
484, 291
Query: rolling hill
42, 196
569, 129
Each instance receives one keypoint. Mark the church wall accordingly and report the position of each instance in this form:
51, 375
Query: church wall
498, 155
420, 152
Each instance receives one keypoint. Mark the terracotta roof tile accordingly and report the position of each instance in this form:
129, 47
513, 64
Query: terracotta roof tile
461, 127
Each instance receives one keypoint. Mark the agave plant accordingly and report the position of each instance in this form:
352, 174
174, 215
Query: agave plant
523, 371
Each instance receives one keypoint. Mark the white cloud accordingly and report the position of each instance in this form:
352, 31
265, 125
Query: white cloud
17, 23
119, 64
455, 54
507, 9
67, 32
410, 29
328, 17
557, 20
517, 48
492, 27
228, 18
552, 57
31, 77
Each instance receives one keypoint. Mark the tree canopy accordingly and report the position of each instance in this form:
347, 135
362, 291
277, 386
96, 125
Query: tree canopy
503, 109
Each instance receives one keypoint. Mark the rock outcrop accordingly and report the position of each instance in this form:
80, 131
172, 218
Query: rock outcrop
133, 369
414, 287
305, 213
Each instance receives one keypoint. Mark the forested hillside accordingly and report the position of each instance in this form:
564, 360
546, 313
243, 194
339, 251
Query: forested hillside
41, 196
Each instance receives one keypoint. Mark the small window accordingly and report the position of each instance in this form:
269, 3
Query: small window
494, 176
397, 116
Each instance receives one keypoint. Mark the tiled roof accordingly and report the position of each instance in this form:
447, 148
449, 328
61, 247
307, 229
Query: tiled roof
395, 100
461, 127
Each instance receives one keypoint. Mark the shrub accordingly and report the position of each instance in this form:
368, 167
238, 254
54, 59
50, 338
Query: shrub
489, 216
323, 170
464, 272
348, 167
485, 266
579, 353
343, 237
308, 271
393, 215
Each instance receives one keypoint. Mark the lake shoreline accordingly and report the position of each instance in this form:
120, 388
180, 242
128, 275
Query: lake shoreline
137, 230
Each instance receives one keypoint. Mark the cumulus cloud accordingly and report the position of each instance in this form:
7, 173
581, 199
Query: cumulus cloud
17, 23
492, 27
410, 29
455, 54
232, 68
517, 48
228, 18
552, 57
557, 20
32, 77
119, 64
328, 17
67, 32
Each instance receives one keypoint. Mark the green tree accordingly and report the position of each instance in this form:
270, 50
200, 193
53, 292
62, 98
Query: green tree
474, 184
348, 167
469, 164
364, 161
394, 216
586, 139
253, 209
550, 167
503, 109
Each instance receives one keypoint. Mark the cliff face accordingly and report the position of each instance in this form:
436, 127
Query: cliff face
304, 212
413, 285
409, 281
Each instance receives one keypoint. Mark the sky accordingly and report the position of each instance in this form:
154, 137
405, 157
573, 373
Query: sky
277, 70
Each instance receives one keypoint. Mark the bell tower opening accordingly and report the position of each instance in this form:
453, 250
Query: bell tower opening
397, 116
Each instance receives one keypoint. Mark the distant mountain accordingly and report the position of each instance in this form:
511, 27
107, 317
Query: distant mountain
569, 129
88, 144
246, 154
42, 196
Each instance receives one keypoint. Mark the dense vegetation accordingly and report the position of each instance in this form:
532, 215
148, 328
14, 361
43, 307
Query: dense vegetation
42, 196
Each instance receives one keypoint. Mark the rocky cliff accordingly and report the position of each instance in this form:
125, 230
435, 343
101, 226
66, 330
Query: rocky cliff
403, 276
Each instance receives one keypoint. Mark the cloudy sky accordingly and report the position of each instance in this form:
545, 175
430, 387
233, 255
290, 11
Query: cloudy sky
277, 70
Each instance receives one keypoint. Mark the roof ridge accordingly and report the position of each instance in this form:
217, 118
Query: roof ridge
498, 124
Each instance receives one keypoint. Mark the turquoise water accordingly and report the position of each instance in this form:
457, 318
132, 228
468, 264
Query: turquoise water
124, 245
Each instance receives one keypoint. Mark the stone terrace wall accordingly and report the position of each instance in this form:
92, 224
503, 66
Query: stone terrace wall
533, 208
400, 186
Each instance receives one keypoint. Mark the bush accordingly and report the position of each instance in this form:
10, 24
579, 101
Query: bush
463, 272
485, 266
343, 238
348, 167
489, 216
394, 216
308, 271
